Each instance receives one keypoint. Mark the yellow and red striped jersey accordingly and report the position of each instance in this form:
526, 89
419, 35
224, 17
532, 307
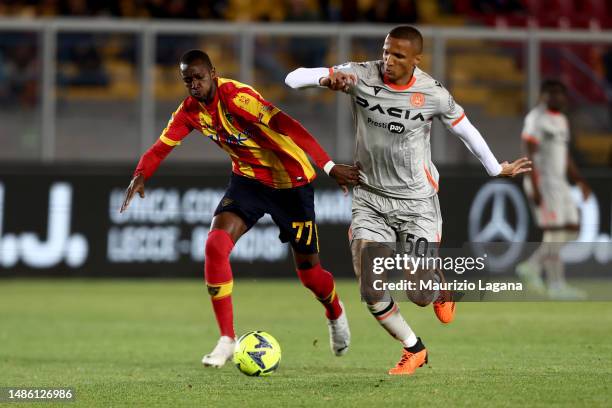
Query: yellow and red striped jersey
249, 128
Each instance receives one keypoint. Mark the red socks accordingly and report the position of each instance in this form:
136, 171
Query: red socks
218, 276
321, 283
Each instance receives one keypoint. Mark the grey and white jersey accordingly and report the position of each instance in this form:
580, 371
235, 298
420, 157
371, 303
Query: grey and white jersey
393, 128
550, 131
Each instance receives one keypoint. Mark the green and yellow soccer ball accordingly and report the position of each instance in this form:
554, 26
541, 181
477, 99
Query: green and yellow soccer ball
257, 353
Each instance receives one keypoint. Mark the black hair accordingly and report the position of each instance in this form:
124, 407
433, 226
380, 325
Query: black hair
550, 84
410, 33
192, 56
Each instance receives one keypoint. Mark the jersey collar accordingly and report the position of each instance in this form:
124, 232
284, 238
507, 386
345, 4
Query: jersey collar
401, 87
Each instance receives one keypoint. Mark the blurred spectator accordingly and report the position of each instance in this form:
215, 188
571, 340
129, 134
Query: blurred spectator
497, 6
446, 6
174, 9
348, 11
75, 8
179, 9
155, 8
260, 10
47, 8
400, 11
394, 11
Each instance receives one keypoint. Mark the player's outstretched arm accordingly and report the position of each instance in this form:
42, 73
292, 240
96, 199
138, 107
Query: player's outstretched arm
309, 77
305, 77
149, 162
344, 175
476, 144
178, 128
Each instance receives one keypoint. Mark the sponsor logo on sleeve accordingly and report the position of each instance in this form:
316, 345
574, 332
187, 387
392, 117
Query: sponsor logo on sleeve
451, 102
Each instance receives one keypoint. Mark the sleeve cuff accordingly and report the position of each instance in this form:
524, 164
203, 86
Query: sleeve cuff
496, 171
328, 166
456, 121
329, 72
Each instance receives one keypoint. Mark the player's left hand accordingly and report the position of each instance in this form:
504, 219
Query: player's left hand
519, 166
345, 175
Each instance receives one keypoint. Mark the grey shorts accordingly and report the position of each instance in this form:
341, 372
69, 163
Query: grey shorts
385, 219
557, 208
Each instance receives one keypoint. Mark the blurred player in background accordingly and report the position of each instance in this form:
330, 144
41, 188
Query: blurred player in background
270, 174
394, 104
546, 137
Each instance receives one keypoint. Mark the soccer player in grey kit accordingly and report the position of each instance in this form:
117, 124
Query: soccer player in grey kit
394, 103
546, 136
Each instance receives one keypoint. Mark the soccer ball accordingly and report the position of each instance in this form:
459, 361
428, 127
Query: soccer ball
257, 353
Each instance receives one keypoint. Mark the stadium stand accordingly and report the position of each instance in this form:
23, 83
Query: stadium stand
490, 76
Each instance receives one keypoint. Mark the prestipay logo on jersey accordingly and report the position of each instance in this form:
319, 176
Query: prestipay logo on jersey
393, 127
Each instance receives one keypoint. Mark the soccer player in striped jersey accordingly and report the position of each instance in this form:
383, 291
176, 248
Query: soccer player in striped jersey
270, 174
394, 104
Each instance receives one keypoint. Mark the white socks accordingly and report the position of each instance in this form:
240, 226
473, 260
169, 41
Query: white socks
547, 256
389, 317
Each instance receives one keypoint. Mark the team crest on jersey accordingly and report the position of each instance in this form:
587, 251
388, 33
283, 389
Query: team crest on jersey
417, 99
243, 100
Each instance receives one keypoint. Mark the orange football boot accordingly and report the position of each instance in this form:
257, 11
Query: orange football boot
444, 307
410, 361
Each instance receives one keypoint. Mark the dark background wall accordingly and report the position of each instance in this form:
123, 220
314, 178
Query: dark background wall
64, 221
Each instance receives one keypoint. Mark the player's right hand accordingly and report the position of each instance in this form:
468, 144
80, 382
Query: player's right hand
339, 81
345, 175
136, 185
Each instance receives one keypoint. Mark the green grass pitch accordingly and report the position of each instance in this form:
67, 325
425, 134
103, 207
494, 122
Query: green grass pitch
139, 343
